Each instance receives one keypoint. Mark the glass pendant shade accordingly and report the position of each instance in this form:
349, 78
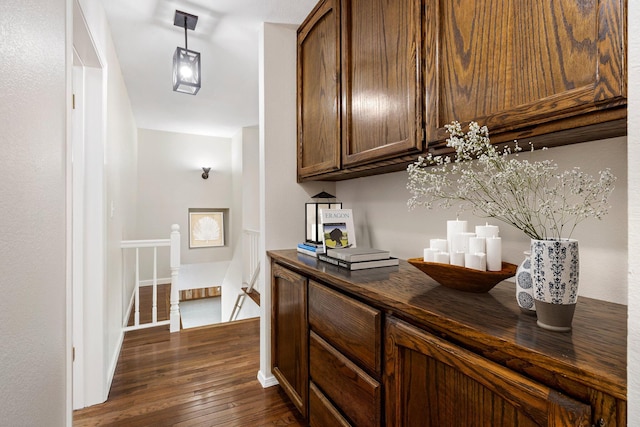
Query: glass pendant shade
186, 71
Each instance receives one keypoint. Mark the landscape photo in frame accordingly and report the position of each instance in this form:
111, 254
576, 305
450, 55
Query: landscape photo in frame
206, 229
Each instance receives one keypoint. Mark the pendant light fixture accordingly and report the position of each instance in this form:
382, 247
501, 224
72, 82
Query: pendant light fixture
186, 63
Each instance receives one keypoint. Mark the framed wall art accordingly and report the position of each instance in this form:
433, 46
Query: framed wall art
206, 228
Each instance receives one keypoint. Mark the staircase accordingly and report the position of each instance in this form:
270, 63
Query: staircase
252, 265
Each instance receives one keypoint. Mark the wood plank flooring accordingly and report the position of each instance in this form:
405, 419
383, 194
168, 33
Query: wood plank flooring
196, 377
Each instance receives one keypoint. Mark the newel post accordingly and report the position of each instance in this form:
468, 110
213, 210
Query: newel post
174, 311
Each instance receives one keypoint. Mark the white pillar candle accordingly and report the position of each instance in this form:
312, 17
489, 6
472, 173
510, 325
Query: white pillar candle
461, 242
442, 257
429, 254
439, 244
453, 228
494, 253
476, 245
487, 230
477, 261
457, 258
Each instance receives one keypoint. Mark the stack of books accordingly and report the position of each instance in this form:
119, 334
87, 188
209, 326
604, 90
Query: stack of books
310, 248
358, 258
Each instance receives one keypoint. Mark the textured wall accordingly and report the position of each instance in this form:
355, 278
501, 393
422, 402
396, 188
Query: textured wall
32, 212
169, 183
382, 218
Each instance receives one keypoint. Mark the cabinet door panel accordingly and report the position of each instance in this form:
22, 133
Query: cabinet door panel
289, 334
319, 91
381, 77
517, 63
431, 382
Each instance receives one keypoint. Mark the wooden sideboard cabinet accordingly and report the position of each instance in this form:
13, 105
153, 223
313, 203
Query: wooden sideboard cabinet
290, 335
389, 346
431, 382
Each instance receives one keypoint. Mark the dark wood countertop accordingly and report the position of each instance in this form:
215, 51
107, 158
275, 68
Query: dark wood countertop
592, 354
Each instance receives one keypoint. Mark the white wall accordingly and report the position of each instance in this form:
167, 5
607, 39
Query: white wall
120, 199
251, 178
169, 183
633, 340
383, 220
245, 179
33, 81
281, 198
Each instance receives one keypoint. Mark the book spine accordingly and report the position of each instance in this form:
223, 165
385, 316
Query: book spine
310, 248
307, 252
334, 261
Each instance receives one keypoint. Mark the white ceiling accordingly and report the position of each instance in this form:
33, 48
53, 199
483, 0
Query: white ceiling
226, 35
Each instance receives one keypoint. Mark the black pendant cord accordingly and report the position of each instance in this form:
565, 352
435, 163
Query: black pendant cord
185, 33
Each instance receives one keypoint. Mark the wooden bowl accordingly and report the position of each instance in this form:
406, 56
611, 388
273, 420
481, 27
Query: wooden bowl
461, 278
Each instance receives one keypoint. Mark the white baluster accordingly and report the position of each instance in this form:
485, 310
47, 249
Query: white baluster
136, 317
154, 307
174, 314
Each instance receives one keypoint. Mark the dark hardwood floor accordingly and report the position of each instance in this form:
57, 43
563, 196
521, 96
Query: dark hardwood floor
196, 377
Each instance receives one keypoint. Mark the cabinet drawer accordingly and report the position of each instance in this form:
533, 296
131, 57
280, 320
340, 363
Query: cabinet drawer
350, 326
352, 391
321, 412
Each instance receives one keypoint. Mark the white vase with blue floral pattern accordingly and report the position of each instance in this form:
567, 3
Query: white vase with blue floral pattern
555, 275
524, 286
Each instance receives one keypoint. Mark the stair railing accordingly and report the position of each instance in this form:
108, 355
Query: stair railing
251, 264
173, 242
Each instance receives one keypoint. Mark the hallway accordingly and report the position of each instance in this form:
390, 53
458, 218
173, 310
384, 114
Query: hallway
197, 377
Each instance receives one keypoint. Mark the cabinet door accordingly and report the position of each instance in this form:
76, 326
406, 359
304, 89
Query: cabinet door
431, 382
523, 65
319, 91
381, 79
289, 334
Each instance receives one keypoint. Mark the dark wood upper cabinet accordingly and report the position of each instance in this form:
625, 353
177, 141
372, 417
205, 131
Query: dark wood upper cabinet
319, 91
526, 68
359, 85
381, 79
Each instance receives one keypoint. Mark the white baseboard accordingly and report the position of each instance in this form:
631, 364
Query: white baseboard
267, 382
114, 363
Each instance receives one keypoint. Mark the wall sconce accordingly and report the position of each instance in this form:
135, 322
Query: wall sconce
205, 173
312, 218
186, 63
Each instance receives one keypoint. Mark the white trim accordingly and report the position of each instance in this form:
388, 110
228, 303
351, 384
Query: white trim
114, 359
267, 382
132, 244
68, 419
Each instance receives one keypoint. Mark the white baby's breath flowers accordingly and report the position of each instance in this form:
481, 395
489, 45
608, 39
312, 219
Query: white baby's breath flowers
532, 196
